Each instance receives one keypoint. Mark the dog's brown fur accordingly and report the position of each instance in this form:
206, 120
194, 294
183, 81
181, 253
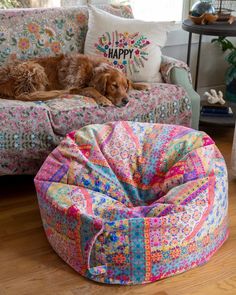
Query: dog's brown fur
49, 77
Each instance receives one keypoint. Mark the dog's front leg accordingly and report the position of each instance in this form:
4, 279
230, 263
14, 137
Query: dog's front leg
93, 93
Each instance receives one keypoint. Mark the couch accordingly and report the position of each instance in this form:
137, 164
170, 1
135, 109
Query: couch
31, 130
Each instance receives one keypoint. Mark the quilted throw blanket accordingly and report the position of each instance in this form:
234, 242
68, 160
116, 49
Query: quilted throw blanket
132, 203
31, 130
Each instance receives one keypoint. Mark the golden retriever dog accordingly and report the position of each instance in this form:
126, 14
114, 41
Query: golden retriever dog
49, 77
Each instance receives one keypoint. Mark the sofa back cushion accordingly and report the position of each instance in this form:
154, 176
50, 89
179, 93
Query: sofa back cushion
30, 33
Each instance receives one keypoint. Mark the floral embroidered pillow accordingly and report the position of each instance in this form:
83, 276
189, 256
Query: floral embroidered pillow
131, 45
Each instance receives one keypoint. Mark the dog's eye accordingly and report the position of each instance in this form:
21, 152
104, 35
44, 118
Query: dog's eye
114, 85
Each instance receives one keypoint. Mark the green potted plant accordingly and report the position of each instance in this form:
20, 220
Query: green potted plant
230, 75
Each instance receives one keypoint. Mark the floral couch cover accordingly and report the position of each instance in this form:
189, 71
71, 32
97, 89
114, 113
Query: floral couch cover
31, 130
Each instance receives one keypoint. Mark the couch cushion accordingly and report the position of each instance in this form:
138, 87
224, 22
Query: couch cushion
30, 33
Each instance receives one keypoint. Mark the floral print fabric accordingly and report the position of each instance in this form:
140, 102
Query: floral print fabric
168, 63
30, 33
31, 130
131, 203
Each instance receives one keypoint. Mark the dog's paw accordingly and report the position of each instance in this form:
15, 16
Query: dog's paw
145, 86
141, 86
104, 102
74, 91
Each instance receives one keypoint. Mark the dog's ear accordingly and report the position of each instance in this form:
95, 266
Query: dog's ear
100, 76
99, 82
129, 85
102, 83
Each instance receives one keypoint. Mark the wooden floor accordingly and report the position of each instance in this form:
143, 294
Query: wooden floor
28, 265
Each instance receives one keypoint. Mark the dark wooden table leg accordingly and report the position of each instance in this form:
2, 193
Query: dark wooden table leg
198, 61
189, 48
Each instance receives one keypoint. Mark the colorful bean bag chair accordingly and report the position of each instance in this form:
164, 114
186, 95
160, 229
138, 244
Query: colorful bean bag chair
132, 203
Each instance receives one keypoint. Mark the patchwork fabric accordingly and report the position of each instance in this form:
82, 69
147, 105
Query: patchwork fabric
132, 203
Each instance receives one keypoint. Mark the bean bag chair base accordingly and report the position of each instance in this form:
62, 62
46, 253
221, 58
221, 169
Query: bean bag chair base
132, 203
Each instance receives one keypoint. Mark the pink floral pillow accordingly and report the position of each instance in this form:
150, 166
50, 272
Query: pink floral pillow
131, 45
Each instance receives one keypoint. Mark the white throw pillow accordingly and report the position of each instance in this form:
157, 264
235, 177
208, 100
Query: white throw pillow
131, 45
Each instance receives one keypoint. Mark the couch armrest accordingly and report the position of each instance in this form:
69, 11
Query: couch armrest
170, 63
177, 72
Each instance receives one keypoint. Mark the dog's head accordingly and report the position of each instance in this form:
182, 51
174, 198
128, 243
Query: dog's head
111, 83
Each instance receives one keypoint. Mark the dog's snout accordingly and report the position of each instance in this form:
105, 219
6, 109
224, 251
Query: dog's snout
125, 100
